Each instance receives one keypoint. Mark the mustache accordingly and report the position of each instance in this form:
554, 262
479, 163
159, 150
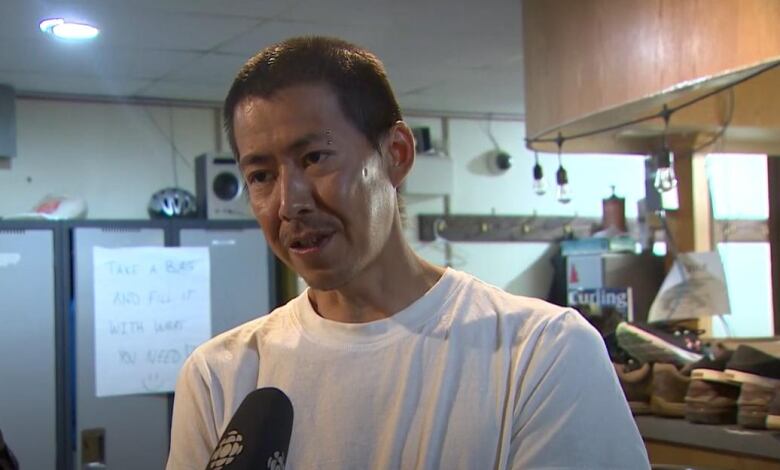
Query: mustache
301, 228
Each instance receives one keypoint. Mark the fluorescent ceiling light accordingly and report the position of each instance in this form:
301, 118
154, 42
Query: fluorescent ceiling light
66, 30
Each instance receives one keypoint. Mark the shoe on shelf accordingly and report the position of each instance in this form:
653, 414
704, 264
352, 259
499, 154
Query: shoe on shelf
753, 406
636, 380
651, 344
669, 388
757, 368
709, 402
617, 354
773, 411
711, 397
757, 364
712, 366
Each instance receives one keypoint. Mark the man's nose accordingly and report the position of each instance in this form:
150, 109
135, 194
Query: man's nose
295, 195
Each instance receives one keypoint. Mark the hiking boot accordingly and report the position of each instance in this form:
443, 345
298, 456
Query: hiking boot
753, 405
711, 397
636, 381
773, 411
651, 344
670, 385
710, 402
757, 368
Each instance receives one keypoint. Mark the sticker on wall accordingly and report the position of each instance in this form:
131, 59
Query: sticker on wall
9, 259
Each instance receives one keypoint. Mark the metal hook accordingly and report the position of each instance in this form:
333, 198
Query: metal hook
528, 223
568, 227
439, 225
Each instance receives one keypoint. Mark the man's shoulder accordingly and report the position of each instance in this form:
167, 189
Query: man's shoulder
522, 319
231, 344
520, 323
490, 300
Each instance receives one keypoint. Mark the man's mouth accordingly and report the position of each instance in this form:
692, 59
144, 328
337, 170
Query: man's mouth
310, 243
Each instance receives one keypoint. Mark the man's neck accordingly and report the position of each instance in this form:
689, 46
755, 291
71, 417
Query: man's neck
383, 291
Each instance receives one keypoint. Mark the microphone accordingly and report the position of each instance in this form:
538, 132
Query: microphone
258, 435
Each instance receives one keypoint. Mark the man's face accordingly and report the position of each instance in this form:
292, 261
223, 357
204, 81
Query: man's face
318, 188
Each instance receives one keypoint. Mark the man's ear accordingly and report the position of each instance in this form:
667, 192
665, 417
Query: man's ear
400, 152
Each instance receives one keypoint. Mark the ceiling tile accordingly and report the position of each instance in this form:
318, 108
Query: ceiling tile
89, 60
186, 90
236, 8
462, 51
72, 84
405, 80
418, 49
210, 68
271, 32
431, 16
494, 91
20, 18
151, 29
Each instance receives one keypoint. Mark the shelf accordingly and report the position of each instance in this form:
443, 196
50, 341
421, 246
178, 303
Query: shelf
720, 438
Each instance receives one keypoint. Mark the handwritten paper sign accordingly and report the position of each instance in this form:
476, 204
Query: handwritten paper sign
152, 308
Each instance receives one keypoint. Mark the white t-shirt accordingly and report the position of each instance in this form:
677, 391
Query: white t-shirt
467, 377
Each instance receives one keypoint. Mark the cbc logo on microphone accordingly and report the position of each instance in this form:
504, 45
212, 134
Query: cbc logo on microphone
227, 450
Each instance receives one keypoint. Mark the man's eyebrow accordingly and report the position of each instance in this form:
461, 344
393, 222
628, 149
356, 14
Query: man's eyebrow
297, 145
306, 140
253, 159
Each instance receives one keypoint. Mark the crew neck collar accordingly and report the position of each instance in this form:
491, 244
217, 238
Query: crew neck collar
352, 335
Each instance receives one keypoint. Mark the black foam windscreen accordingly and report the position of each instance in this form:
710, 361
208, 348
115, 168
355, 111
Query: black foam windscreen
258, 435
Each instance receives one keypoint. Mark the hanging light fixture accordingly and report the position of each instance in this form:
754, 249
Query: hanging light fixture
665, 179
538, 185
562, 177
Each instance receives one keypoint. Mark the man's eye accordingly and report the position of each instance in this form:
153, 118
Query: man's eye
314, 157
259, 177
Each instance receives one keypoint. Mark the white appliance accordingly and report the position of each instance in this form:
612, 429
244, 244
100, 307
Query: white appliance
219, 188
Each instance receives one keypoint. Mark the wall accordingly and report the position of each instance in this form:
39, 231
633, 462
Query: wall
114, 156
521, 268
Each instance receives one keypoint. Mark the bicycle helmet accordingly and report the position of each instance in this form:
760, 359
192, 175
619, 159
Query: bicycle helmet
172, 203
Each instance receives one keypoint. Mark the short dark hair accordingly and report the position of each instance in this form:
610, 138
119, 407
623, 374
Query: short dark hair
355, 75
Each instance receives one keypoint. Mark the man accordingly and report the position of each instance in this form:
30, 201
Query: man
389, 361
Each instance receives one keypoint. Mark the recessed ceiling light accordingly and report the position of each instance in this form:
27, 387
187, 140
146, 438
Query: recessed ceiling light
67, 30
47, 25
